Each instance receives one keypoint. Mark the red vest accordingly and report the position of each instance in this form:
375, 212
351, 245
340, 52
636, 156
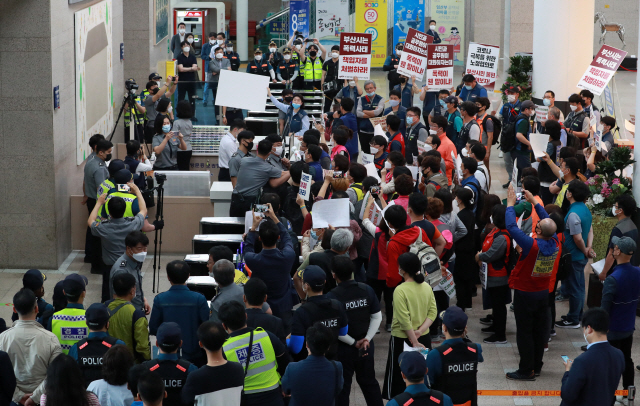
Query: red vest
488, 242
398, 137
533, 273
337, 149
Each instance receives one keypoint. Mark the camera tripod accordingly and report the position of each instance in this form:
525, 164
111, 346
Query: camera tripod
130, 99
157, 243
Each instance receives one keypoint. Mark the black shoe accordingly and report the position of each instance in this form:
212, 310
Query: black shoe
583, 348
506, 185
517, 376
567, 324
487, 321
493, 339
489, 329
95, 271
536, 373
87, 260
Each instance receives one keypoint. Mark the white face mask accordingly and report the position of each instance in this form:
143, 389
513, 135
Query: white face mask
140, 256
432, 27
335, 54
511, 98
181, 30
374, 150
613, 211
158, 82
190, 40
387, 164
278, 150
186, 49
585, 336
398, 52
272, 50
352, 83
298, 47
230, 49
258, 57
433, 132
287, 57
220, 42
212, 41
573, 108
218, 56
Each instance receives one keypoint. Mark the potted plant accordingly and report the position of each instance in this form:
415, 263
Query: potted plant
519, 69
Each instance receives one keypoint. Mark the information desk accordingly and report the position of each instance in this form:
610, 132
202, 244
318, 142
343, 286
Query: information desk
222, 225
202, 243
203, 284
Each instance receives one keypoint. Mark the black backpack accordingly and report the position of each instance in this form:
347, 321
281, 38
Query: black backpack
508, 134
514, 255
480, 203
497, 127
564, 265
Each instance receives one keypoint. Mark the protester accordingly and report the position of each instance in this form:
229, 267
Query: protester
466, 266
509, 113
623, 209
112, 389
61, 385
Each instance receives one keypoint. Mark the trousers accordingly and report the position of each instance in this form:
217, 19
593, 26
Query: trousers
106, 273
380, 287
240, 205
531, 313
499, 309
625, 345
364, 369
188, 89
575, 290
508, 163
92, 244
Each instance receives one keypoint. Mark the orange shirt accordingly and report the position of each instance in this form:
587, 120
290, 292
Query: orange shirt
446, 148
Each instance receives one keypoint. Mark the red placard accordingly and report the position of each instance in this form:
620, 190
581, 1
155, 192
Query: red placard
440, 66
413, 61
355, 55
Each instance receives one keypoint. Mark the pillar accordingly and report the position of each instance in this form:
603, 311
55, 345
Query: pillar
636, 140
242, 28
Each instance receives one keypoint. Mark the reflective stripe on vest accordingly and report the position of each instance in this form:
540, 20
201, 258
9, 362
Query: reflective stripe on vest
561, 195
70, 326
139, 117
104, 187
262, 375
128, 198
314, 72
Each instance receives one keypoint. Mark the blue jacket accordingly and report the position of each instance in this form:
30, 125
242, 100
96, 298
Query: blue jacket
594, 377
273, 267
473, 94
351, 122
312, 381
583, 212
73, 351
188, 309
419, 388
472, 183
620, 297
510, 111
318, 176
546, 247
434, 362
406, 100
402, 115
206, 51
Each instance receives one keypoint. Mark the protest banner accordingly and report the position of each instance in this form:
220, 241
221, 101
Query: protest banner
413, 61
482, 63
332, 211
305, 186
448, 285
382, 121
542, 113
439, 67
355, 56
601, 69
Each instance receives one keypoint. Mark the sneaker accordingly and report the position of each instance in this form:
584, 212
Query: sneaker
583, 348
493, 339
489, 329
567, 324
388, 327
501, 154
487, 320
622, 400
511, 307
506, 185
553, 333
549, 341
546, 347
560, 298
517, 376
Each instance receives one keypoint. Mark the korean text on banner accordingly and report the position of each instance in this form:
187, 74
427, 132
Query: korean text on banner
305, 186
332, 18
448, 285
332, 211
542, 113
382, 121
367, 158
440, 67
413, 61
601, 69
299, 17
242, 90
371, 18
482, 62
450, 17
355, 56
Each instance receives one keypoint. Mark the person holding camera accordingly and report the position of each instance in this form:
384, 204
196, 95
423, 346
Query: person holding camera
312, 65
138, 163
156, 92
166, 144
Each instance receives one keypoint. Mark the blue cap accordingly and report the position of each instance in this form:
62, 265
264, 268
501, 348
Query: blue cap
314, 276
115, 165
123, 176
455, 319
97, 315
413, 365
33, 279
74, 284
169, 336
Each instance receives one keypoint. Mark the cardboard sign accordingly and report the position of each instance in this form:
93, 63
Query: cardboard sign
458, 161
242, 90
440, 67
372, 171
375, 214
367, 158
355, 56
413, 61
305, 186
379, 121
448, 285
542, 113
482, 63
602, 69
422, 147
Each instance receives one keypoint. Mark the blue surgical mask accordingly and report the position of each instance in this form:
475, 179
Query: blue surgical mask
394, 103
166, 128
442, 103
371, 94
468, 87
295, 105
409, 120
546, 102
313, 235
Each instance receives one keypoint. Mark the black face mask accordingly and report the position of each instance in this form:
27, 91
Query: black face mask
313, 53
154, 91
288, 99
108, 158
402, 80
249, 146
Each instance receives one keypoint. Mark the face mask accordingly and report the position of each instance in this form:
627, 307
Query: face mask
298, 46
181, 30
140, 256
218, 56
190, 40
158, 82
398, 52
166, 128
394, 103
432, 27
295, 105
335, 54
288, 99
287, 57
387, 164
374, 150
433, 132
613, 211
258, 57
511, 98
371, 94
468, 87
278, 150
186, 49
220, 42
107, 158
312, 53
573, 108
442, 103
409, 120
403, 80
313, 235
249, 146
212, 41
230, 49
352, 83
272, 50
154, 91
585, 336
546, 102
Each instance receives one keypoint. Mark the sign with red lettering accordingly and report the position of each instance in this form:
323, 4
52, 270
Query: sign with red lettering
355, 56
482, 63
413, 61
440, 67
601, 69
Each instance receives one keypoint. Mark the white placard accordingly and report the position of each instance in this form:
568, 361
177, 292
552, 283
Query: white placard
414, 172
514, 176
423, 147
539, 144
375, 214
484, 273
355, 55
458, 160
331, 211
448, 285
413, 61
377, 130
305, 186
364, 205
482, 63
602, 68
598, 267
242, 90
372, 171
542, 113
367, 158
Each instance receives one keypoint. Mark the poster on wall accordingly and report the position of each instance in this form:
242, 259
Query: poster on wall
439, 66
355, 56
332, 19
413, 61
602, 68
94, 75
371, 18
299, 17
449, 16
161, 26
407, 14
482, 63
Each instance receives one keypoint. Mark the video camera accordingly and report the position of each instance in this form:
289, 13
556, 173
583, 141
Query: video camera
131, 85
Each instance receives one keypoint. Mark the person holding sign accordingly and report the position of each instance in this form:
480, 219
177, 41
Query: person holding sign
370, 105
407, 91
297, 118
471, 90
351, 90
391, 66
577, 124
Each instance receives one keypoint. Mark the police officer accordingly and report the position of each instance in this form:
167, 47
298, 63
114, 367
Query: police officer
287, 70
245, 145
258, 66
233, 57
275, 57
268, 356
413, 366
453, 366
139, 116
316, 307
114, 166
391, 66
121, 189
295, 57
313, 65
355, 350
131, 262
174, 371
69, 324
90, 351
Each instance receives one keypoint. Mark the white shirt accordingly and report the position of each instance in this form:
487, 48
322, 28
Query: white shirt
111, 395
474, 133
228, 145
482, 179
144, 166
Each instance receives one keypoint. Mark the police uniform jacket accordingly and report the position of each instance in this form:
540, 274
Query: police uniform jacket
95, 172
125, 264
174, 372
89, 353
360, 302
452, 369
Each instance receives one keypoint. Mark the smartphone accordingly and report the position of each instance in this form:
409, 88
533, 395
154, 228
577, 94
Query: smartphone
518, 196
124, 188
338, 175
375, 190
260, 208
565, 358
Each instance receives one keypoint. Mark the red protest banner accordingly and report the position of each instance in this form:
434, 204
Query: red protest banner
439, 66
355, 56
414, 54
602, 68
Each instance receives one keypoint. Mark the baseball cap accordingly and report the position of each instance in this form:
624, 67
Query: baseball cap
627, 245
154, 75
74, 284
257, 50
314, 276
228, 43
455, 319
512, 89
272, 43
451, 99
97, 315
413, 365
122, 176
527, 104
33, 279
115, 165
169, 336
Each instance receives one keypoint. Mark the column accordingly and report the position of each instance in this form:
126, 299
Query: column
242, 28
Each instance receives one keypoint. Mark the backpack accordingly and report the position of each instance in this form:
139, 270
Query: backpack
508, 134
480, 203
428, 259
512, 256
497, 127
564, 265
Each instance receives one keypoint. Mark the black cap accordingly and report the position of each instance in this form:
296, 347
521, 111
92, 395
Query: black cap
154, 76
33, 279
115, 165
74, 284
413, 365
455, 319
314, 276
169, 336
97, 316
122, 177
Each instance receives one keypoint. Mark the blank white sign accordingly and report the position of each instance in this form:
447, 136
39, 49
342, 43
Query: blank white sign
242, 90
332, 211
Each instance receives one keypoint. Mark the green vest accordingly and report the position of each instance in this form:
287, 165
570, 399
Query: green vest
139, 116
105, 187
70, 326
561, 195
262, 375
312, 72
357, 187
129, 199
143, 97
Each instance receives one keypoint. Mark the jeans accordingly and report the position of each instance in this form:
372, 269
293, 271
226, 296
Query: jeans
206, 84
508, 163
531, 312
575, 289
624, 345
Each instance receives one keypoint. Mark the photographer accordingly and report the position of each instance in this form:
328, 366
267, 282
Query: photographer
138, 163
166, 144
155, 93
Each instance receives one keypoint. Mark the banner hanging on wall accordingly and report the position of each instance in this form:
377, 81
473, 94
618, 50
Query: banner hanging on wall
332, 19
482, 63
299, 17
371, 18
407, 14
449, 16
439, 66
355, 56
602, 69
